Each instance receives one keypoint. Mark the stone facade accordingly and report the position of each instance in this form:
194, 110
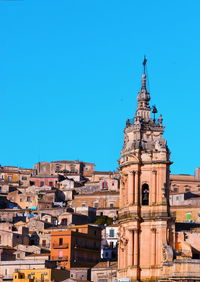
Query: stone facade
149, 247
144, 214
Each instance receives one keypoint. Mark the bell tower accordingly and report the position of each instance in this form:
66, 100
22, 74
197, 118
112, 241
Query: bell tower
145, 223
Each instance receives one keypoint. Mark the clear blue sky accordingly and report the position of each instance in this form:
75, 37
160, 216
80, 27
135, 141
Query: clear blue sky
70, 72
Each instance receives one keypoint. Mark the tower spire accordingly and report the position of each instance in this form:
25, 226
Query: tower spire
143, 108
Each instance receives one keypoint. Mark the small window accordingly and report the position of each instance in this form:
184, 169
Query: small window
111, 205
41, 183
73, 169
60, 241
104, 185
175, 189
24, 178
111, 245
188, 217
51, 183
43, 243
111, 233
96, 204
9, 178
28, 199
64, 221
145, 194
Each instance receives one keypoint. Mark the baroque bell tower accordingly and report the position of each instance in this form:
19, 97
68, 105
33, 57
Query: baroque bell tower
145, 224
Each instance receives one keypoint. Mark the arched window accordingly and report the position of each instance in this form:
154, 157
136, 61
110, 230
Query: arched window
145, 194
104, 185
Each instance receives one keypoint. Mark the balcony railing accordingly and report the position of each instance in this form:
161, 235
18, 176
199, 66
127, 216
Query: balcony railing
59, 258
57, 246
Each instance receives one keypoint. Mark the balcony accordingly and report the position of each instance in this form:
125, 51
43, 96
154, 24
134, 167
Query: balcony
65, 258
57, 246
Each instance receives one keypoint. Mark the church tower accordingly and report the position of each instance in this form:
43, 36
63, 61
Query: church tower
145, 224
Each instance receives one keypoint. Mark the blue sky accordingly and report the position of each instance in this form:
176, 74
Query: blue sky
70, 71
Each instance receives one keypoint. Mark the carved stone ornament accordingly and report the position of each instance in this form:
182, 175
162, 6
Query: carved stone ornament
123, 239
167, 253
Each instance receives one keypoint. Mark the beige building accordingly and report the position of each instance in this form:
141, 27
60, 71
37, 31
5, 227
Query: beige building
11, 236
183, 183
15, 176
71, 169
104, 271
106, 203
25, 198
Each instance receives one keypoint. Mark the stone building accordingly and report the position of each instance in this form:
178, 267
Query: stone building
76, 246
105, 202
15, 176
70, 169
147, 241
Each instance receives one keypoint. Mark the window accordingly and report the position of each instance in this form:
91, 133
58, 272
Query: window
83, 205
9, 178
24, 178
0, 239
60, 241
28, 199
113, 183
64, 221
111, 205
57, 168
104, 185
188, 217
60, 254
96, 204
111, 245
41, 183
111, 233
73, 169
145, 194
175, 189
51, 183
43, 243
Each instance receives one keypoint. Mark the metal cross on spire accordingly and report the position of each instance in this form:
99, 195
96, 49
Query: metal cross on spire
144, 64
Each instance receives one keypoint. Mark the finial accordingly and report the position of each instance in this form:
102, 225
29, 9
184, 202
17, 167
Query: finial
144, 64
154, 111
144, 74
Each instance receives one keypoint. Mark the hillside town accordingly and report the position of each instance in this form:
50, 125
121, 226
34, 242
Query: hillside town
65, 221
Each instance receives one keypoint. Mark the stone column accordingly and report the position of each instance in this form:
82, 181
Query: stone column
135, 247
130, 188
154, 186
136, 187
130, 248
153, 244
